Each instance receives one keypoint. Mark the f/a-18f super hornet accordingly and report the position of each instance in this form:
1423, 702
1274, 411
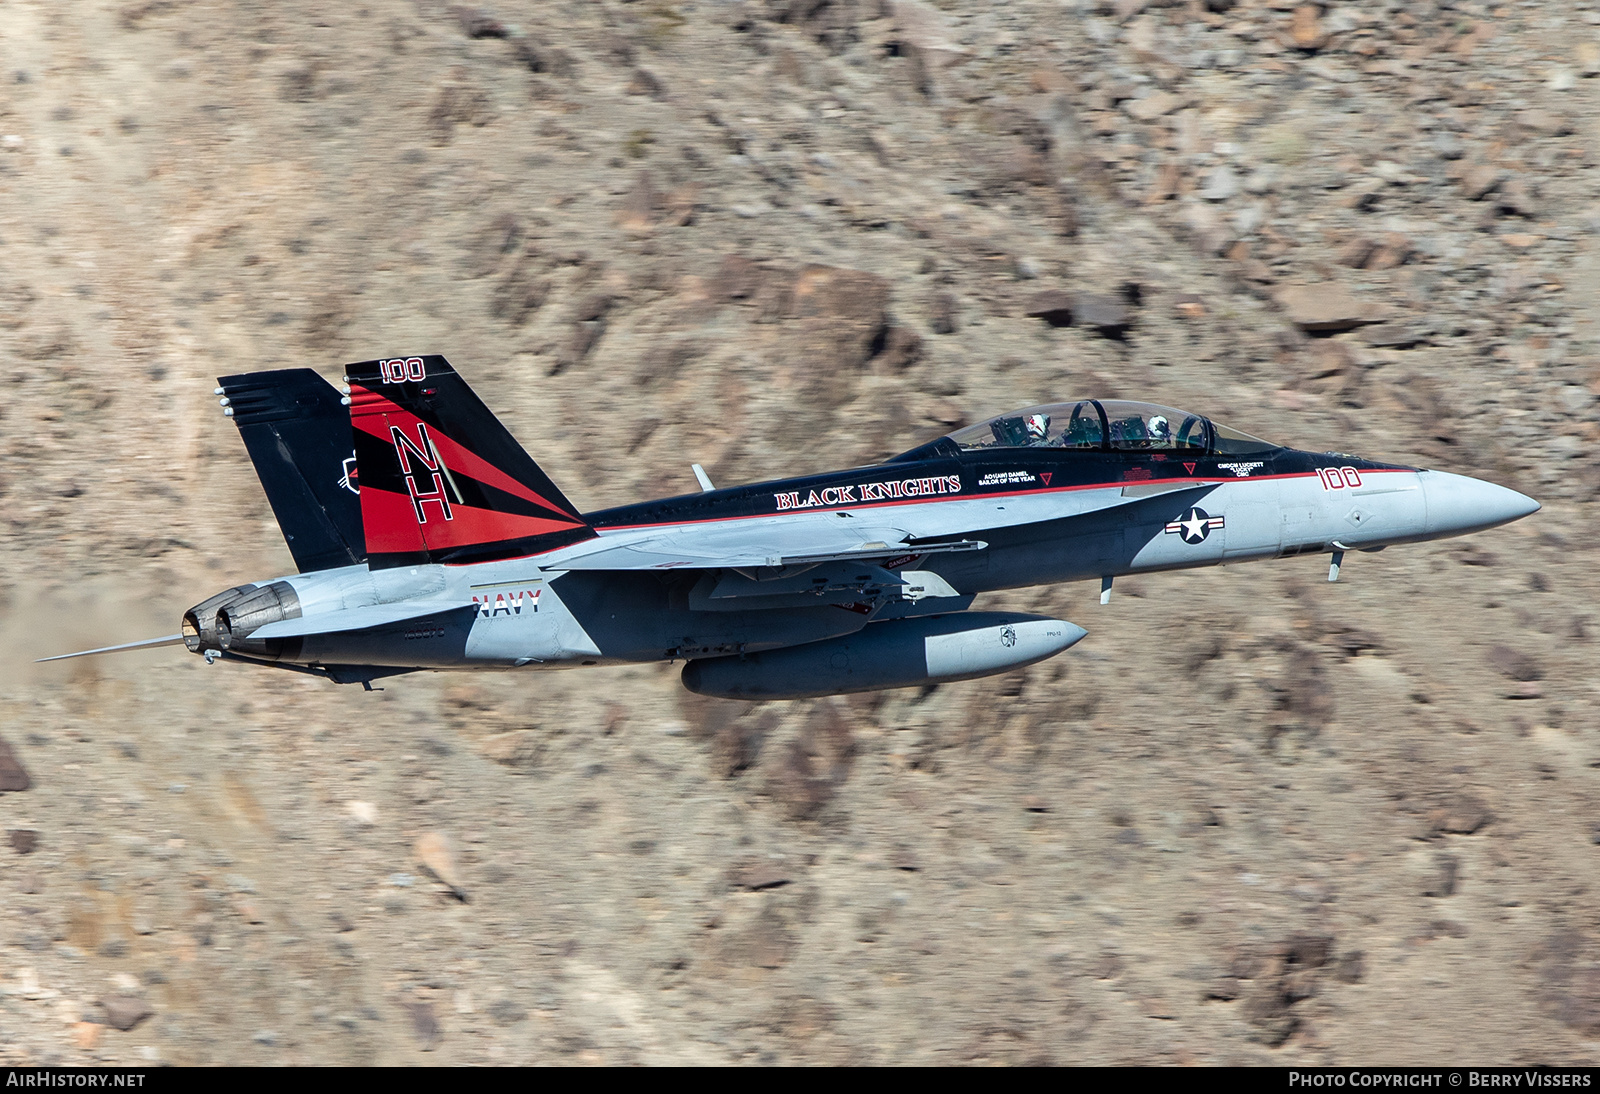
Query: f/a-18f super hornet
439, 544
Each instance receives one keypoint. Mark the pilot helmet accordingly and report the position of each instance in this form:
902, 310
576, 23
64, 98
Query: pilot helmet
1037, 425
1159, 429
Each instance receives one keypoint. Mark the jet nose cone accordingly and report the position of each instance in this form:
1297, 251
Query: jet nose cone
1458, 504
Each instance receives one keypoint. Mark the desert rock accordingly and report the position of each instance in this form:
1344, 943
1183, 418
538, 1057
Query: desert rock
774, 237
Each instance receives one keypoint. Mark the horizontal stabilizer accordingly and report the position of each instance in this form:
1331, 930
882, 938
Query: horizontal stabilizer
354, 619
148, 643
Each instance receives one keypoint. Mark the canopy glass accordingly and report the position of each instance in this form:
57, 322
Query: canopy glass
1114, 425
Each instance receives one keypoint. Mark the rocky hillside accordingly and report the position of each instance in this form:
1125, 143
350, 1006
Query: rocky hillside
1253, 818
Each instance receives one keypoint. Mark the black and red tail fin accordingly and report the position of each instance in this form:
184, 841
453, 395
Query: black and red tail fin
441, 479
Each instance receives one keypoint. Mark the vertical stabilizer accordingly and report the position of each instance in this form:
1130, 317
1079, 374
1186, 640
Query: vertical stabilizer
441, 479
295, 428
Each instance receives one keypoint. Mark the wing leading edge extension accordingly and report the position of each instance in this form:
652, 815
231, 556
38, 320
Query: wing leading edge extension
957, 525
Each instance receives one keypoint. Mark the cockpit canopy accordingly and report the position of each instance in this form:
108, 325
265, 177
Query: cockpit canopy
1113, 425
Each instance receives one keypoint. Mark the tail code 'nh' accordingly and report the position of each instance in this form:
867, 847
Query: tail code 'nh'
441, 479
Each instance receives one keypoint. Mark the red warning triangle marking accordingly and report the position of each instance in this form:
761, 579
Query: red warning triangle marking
1045, 475
1189, 467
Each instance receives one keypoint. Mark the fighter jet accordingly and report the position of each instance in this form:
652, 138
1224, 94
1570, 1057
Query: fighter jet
428, 539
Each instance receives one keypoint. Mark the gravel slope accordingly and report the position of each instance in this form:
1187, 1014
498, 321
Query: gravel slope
1254, 818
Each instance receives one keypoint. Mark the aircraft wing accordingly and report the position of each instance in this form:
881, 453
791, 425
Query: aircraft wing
769, 547
957, 524
355, 619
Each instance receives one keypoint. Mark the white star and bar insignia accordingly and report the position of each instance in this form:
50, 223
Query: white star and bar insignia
1195, 526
